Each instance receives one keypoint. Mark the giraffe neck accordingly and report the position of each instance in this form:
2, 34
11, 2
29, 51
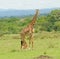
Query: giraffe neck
34, 19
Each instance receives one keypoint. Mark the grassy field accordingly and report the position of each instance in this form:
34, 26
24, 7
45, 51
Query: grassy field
44, 42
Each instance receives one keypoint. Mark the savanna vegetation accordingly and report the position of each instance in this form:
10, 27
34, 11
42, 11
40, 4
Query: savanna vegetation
50, 22
46, 36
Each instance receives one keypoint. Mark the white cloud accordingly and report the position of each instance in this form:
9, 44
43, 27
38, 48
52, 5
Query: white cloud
29, 4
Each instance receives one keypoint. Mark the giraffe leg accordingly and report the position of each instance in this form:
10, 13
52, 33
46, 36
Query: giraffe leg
32, 43
31, 40
23, 42
22, 39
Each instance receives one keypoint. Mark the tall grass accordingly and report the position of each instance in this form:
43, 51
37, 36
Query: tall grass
47, 43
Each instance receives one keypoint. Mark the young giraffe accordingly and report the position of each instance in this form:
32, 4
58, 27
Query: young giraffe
28, 30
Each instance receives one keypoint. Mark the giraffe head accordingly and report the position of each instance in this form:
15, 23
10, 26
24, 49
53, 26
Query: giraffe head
35, 17
37, 11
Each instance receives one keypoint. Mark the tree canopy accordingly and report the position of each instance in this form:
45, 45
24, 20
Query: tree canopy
13, 25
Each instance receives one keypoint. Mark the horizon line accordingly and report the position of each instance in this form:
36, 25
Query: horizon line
30, 8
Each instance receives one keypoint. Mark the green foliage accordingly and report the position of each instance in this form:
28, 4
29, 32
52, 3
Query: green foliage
12, 25
50, 22
57, 26
44, 23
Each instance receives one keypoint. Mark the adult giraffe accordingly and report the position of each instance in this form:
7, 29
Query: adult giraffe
28, 30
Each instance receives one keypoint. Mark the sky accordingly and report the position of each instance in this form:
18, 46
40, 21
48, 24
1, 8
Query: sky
29, 4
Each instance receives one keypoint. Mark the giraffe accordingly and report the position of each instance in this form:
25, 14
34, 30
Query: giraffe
28, 30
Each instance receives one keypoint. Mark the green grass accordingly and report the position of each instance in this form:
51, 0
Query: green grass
44, 42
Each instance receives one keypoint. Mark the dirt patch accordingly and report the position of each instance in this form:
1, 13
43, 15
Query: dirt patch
43, 57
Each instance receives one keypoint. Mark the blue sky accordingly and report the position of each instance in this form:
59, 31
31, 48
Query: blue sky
29, 4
